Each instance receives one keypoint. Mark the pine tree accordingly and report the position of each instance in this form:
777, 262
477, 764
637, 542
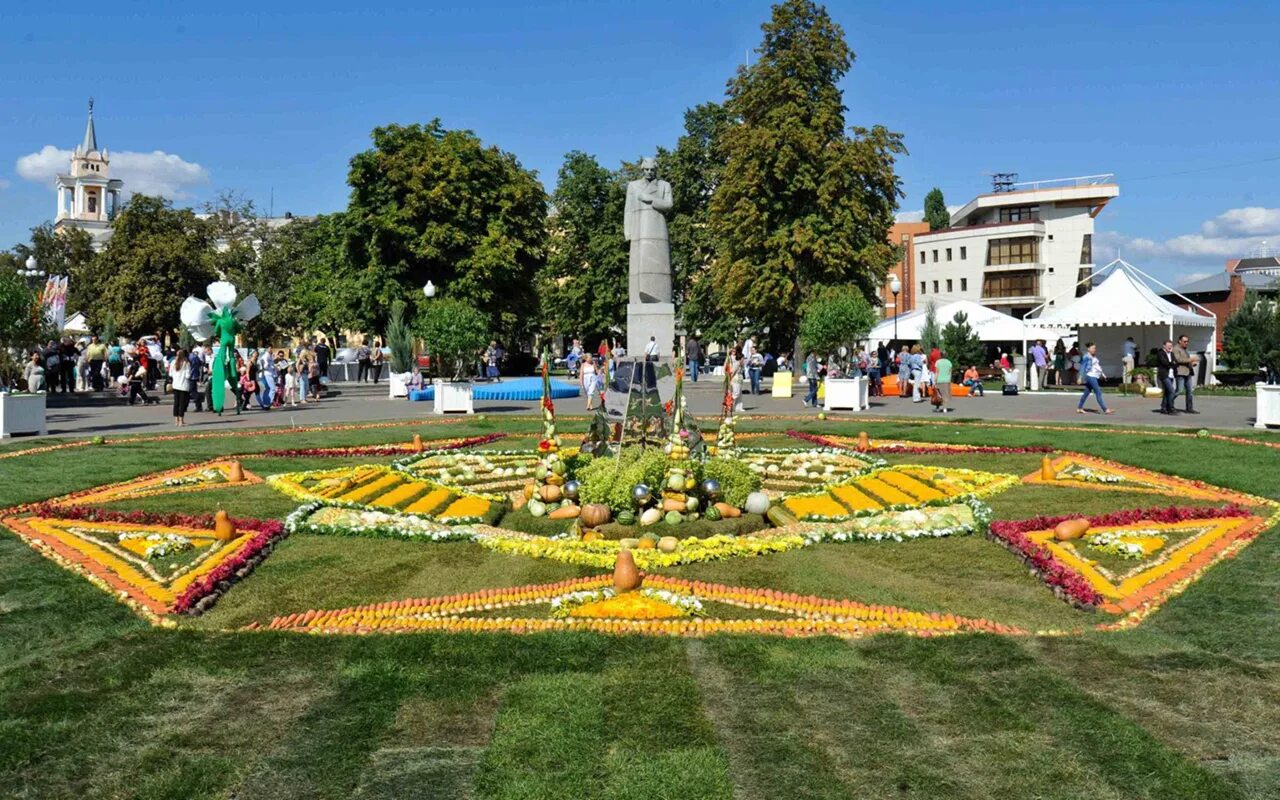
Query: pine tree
960, 342
930, 333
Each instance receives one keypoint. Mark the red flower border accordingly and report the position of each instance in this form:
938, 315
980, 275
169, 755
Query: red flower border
1065, 582
205, 591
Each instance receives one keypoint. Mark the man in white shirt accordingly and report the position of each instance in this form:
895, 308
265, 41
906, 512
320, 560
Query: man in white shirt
651, 349
1130, 357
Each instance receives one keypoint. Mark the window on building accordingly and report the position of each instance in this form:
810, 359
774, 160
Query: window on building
949, 290
1086, 249
93, 204
948, 253
964, 284
1016, 250
964, 253
1019, 283
935, 256
1020, 214
923, 260
935, 287
922, 289
906, 239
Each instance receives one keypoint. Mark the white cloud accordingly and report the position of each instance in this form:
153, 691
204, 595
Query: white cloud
1251, 221
1231, 234
157, 172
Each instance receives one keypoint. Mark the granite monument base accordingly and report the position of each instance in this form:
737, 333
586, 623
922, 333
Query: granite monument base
651, 319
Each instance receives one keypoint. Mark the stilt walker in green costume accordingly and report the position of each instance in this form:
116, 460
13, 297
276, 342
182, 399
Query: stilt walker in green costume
223, 320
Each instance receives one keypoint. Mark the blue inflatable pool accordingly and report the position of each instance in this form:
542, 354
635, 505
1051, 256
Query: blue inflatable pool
510, 389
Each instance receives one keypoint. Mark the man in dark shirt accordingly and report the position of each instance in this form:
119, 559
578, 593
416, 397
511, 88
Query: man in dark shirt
693, 351
323, 353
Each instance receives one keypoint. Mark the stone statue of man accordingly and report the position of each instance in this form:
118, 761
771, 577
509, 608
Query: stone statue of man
646, 228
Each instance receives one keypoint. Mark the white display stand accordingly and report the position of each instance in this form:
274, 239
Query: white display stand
1268, 405
399, 383
850, 393
22, 413
453, 398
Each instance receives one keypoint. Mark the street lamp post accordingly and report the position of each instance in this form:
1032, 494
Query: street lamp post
895, 286
32, 273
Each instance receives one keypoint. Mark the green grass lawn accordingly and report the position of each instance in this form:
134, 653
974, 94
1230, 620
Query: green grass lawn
96, 703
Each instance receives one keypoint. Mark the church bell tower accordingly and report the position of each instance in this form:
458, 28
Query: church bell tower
88, 197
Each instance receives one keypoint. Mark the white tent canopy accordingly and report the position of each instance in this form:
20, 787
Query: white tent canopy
1125, 306
989, 324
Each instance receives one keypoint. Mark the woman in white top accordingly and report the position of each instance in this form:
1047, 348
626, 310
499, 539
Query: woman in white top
180, 377
735, 365
589, 377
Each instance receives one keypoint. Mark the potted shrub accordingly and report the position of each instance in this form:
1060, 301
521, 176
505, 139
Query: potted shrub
400, 342
20, 322
830, 325
453, 333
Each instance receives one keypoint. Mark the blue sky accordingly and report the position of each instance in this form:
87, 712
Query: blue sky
275, 96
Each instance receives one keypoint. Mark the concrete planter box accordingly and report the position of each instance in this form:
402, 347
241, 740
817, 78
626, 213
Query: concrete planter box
850, 393
22, 413
1268, 404
399, 383
453, 398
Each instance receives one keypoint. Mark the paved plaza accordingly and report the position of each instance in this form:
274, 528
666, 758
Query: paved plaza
350, 402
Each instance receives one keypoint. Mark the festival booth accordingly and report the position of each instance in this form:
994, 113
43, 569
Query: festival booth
989, 324
1122, 306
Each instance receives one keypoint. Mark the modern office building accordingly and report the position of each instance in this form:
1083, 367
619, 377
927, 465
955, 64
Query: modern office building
902, 234
1017, 247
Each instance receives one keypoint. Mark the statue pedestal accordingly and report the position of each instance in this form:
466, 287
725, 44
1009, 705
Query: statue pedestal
651, 319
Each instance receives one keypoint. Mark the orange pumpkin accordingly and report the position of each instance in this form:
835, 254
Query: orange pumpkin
728, 511
1071, 529
592, 536
595, 514
550, 493
626, 577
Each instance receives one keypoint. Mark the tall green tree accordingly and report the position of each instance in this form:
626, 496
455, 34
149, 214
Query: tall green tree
19, 319
434, 204
935, 210
157, 256
68, 253
695, 169
802, 202
583, 286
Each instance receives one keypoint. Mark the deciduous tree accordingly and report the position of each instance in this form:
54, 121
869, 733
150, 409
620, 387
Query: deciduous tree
434, 204
802, 202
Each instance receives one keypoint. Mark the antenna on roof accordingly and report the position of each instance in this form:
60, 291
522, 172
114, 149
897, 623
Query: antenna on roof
1262, 251
1003, 181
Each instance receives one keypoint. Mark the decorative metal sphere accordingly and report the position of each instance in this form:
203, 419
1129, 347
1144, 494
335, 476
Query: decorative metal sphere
571, 489
711, 488
641, 494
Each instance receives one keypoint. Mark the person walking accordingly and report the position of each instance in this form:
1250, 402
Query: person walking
919, 373
291, 385
942, 372
320, 373
304, 374
1039, 362
376, 360
199, 382
1129, 359
1186, 373
138, 382
693, 352
589, 378
96, 352
1059, 363
362, 363
811, 377
266, 382
1167, 373
873, 372
904, 372
180, 380
755, 365
1091, 371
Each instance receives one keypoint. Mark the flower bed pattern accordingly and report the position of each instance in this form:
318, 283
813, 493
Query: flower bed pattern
806, 615
1207, 535
892, 489
387, 489
1076, 469
79, 539
191, 478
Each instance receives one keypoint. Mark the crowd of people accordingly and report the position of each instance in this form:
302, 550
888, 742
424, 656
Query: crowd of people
262, 377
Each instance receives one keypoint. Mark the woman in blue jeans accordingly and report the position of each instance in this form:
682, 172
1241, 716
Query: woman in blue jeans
1091, 369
